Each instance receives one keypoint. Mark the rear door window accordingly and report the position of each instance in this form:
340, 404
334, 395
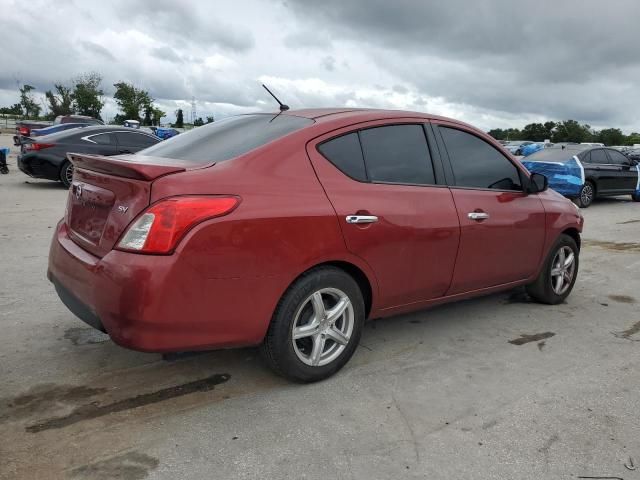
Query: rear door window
397, 154
102, 139
598, 156
345, 153
134, 139
477, 164
228, 138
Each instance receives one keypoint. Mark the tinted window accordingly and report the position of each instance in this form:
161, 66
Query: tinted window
398, 154
133, 139
617, 158
477, 164
598, 156
345, 153
228, 138
103, 139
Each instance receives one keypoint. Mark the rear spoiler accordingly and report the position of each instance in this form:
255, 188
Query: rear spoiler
142, 168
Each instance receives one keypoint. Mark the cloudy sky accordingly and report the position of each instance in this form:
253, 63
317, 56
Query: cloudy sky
493, 63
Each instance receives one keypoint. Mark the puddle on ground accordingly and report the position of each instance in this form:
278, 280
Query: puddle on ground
620, 247
41, 398
622, 298
128, 466
85, 336
536, 337
95, 410
635, 328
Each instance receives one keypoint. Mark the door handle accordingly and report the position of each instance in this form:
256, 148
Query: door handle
361, 219
125, 151
478, 216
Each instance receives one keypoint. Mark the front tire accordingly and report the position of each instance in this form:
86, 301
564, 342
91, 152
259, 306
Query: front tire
316, 326
66, 174
587, 195
635, 197
558, 274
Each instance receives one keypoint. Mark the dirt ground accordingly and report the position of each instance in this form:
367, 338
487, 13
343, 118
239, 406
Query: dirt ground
491, 388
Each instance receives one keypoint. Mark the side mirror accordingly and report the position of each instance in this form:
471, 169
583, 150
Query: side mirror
537, 183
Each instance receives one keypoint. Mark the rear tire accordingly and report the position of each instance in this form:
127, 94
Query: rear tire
316, 326
635, 197
66, 173
558, 274
587, 195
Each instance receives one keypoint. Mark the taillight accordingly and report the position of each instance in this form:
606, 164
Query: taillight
23, 131
38, 146
159, 229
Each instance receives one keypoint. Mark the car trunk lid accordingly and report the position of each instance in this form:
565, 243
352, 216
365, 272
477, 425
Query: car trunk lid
108, 193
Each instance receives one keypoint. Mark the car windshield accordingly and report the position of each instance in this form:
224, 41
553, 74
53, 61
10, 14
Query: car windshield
227, 139
554, 154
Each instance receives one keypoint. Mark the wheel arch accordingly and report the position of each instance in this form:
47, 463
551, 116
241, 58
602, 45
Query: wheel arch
575, 234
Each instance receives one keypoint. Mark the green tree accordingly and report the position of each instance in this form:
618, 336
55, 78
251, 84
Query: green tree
210, 119
198, 122
62, 103
131, 100
88, 94
179, 119
535, 132
27, 102
15, 109
611, 136
571, 131
632, 138
148, 112
157, 115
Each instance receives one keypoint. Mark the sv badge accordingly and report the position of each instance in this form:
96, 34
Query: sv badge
122, 209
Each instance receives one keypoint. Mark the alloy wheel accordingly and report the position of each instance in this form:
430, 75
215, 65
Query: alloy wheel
586, 195
69, 174
563, 269
322, 327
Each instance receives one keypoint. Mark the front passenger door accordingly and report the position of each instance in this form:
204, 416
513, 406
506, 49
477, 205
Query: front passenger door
627, 176
502, 229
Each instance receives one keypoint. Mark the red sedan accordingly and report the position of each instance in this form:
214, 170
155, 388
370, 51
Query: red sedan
289, 230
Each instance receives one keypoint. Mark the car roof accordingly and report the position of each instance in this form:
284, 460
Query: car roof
357, 115
91, 130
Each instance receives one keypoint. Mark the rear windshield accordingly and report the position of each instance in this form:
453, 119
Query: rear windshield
226, 139
554, 154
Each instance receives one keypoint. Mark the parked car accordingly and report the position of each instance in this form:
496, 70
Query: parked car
40, 132
633, 154
583, 172
515, 146
60, 119
531, 148
46, 157
289, 230
164, 133
24, 127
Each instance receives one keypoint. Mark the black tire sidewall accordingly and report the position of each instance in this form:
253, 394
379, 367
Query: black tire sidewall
281, 354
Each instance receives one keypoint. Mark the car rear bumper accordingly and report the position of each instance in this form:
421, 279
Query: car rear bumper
37, 168
156, 303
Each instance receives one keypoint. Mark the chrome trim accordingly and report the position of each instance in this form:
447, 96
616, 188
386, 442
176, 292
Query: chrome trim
361, 219
477, 215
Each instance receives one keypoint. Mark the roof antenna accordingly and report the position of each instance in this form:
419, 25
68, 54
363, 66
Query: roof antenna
283, 107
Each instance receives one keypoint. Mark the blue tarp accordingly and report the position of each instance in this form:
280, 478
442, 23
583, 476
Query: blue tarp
565, 178
531, 148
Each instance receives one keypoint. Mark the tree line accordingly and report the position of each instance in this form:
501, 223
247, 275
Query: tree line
565, 131
83, 95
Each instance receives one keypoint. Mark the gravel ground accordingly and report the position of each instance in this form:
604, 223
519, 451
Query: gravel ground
437, 394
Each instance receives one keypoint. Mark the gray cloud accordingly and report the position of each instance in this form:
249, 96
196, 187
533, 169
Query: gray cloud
94, 48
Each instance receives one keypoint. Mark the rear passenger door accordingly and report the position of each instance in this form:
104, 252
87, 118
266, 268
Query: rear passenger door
132, 142
393, 207
99, 144
502, 229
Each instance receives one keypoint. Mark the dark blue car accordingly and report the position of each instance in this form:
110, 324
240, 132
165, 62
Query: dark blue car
584, 172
